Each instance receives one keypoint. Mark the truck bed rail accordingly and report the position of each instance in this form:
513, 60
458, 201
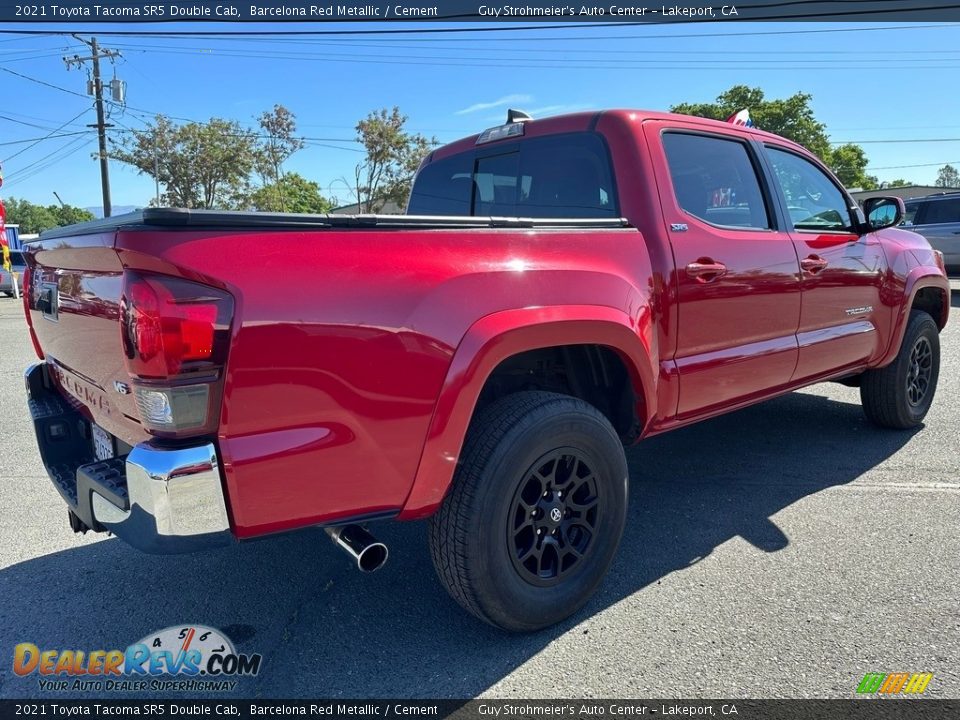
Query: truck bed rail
182, 217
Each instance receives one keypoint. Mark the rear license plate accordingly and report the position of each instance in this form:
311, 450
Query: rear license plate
102, 443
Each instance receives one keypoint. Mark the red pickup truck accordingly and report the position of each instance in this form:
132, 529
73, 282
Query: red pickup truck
559, 288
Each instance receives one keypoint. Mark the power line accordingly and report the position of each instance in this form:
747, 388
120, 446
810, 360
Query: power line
23, 122
45, 137
459, 30
39, 140
545, 63
900, 167
42, 82
481, 61
421, 44
33, 168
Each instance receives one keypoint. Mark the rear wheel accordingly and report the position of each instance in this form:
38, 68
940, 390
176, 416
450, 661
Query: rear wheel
536, 511
900, 394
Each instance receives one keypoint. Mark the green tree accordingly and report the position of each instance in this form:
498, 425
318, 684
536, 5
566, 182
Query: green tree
849, 163
793, 119
199, 165
293, 193
33, 218
70, 215
277, 143
948, 177
393, 156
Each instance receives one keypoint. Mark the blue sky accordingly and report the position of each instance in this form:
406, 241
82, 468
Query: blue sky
880, 82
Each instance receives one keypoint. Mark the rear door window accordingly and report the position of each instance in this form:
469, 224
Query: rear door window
714, 180
558, 176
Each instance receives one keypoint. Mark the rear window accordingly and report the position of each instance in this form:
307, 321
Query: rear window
565, 176
16, 258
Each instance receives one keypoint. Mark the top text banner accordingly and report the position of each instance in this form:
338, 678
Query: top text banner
89, 12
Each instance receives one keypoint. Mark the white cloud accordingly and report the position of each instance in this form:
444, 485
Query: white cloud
558, 109
505, 100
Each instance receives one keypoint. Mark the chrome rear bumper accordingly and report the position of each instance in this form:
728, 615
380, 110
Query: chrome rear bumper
160, 500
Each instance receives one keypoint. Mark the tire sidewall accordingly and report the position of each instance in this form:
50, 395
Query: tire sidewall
921, 325
508, 598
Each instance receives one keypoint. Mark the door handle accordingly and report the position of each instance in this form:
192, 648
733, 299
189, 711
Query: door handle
706, 270
813, 264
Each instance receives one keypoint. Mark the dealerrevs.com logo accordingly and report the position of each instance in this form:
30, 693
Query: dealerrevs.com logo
192, 658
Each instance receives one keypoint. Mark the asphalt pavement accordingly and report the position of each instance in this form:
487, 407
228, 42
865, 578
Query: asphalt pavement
781, 551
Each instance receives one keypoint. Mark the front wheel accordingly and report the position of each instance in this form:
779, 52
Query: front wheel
900, 394
535, 513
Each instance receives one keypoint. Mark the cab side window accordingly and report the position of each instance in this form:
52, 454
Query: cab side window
942, 211
813, 201
714, 180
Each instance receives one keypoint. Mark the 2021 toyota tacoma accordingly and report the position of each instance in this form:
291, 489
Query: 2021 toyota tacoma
560, 288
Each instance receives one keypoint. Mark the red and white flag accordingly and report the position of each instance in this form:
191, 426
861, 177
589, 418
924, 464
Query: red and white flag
741, 118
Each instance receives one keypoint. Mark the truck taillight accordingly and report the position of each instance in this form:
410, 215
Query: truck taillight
171, 326
175, 334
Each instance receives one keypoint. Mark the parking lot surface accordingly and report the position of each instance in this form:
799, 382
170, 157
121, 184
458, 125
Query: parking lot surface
780, 551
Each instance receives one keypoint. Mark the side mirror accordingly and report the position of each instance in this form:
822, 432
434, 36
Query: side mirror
883, 212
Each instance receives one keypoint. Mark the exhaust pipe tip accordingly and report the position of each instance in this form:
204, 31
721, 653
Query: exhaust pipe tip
366, 551
373, 557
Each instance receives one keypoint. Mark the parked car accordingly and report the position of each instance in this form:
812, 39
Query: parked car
937, 218
560, 289
17, 265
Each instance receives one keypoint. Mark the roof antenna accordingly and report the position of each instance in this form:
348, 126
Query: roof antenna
514, 116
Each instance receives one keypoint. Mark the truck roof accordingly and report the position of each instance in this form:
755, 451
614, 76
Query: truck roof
586, 121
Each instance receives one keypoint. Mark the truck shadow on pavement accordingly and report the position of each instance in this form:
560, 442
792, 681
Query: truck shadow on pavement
325, 630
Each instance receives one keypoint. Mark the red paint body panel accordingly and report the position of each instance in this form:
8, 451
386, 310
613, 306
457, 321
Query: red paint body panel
357, 356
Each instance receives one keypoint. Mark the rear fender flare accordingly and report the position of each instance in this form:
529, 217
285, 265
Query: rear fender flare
498, 336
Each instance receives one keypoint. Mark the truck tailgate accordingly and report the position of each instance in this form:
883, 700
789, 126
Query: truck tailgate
75, 287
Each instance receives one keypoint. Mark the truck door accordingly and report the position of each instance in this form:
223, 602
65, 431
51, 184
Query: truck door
736, 272
842, 270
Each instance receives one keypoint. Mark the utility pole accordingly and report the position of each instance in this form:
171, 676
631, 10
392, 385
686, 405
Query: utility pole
97, 87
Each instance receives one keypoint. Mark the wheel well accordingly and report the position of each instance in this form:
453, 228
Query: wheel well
930, 300
594, 373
